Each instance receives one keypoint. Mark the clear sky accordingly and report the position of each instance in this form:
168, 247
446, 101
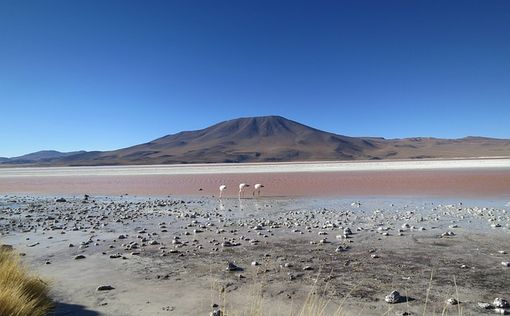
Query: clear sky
99, 75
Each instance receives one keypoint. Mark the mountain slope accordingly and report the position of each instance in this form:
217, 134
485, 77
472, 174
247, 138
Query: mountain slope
39, 157
270, 138
274, 138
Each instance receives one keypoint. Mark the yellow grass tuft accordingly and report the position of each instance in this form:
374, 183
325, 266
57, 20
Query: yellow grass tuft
21, 294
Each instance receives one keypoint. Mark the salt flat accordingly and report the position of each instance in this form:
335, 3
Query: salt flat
183, 169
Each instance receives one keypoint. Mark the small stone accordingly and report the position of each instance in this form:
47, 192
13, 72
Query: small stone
393, 298
505, 263
216, 313
232, 267
452, 301
60, 200
341, 248
501, 303
105, 288
485, 305
307, 268
78, 257
255, 263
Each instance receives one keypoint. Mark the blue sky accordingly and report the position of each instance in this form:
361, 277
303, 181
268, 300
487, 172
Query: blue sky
98, 75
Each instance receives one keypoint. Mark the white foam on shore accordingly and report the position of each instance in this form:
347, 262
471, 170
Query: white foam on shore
242, 168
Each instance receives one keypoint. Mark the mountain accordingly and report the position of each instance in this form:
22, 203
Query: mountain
274, 138
268, 138
39, 157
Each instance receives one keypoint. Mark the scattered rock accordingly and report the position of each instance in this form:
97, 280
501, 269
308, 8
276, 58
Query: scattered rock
501, 303
485, 305
393, 298
105, 288
232, 267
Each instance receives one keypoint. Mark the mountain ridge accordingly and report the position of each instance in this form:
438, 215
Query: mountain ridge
274, 139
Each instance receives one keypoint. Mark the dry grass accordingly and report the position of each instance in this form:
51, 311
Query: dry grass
317, 303
21, 294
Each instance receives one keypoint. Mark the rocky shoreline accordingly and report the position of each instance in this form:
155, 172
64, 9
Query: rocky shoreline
126, 255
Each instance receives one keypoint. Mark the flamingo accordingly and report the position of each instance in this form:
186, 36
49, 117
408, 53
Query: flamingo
241, 189
257, 188
222, 188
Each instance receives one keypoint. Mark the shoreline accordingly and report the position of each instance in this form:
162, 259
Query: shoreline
173, 252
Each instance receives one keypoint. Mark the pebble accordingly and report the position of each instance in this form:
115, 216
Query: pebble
78, 257
501, 311
216, 313
393, 298
485, 305
105, 288
501, 303
232, 267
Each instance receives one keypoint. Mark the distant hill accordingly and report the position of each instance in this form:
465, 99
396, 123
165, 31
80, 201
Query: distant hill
271, 139
43, 156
